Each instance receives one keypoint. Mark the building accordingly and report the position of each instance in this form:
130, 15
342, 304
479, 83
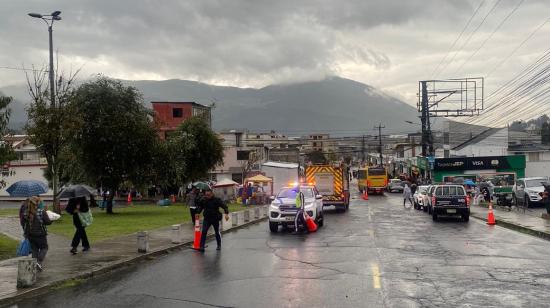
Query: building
169, 115
319, 142
29, 165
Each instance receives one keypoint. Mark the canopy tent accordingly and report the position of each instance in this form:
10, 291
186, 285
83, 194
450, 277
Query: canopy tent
261, 180
225, 183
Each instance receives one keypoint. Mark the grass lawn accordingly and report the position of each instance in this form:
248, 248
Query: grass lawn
7, 247
9, 212
128, 220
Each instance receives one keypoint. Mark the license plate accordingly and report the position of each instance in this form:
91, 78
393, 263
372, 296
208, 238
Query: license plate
289, 218
451, 211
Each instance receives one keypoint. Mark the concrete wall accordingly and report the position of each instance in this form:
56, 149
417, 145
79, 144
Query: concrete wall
541, 168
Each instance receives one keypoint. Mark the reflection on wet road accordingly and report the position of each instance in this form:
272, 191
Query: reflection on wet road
377, 254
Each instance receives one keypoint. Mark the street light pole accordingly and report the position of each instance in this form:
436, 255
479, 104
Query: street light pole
52, 76
49, 20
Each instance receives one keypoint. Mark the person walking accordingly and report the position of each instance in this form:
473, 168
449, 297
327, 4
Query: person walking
407, 195
75, 207
33, 218
191, 200
211, 206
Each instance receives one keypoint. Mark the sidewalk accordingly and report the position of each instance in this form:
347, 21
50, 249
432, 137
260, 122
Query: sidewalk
529, 222
104, 256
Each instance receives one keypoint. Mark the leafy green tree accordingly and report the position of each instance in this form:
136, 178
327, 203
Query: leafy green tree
115, 140
196, 150
6, 150
49, 125
545, 132
317, 157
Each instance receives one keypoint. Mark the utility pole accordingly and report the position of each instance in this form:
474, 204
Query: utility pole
427, 147
363, 149
380, 142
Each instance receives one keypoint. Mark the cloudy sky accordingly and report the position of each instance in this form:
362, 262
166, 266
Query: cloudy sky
390, 44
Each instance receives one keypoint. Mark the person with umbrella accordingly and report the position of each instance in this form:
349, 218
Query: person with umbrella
33, 218
76, 207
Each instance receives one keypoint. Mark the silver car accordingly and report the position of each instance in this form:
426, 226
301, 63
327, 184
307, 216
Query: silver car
396, 185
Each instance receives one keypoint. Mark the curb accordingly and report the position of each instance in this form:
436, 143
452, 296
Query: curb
508, 225
34, 292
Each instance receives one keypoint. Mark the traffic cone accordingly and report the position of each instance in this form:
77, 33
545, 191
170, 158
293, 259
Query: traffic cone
311, 225
491, 216
129, 198
173, 197
197, 239
365, 195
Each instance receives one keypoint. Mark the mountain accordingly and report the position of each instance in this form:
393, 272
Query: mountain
330, 105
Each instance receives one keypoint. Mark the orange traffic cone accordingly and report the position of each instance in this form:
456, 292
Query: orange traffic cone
197, 239
365, 195
129, 197
311, 225
173, 197
491, 216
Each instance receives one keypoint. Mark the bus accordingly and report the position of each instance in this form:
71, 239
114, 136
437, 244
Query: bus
377, 179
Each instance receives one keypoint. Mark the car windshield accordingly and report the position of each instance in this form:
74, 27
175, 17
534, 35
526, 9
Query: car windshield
290, 193
422, 189
534, 183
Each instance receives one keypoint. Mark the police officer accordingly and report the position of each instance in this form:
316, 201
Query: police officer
212, 216
300, 204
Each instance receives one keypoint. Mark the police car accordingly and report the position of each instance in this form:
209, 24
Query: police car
282, 210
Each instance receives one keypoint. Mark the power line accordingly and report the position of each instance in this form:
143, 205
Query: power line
21, 69
471, 35
518, 47
456, 40
490, 36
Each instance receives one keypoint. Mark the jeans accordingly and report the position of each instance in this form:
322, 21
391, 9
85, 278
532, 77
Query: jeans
79, 235
205, 226
39, 247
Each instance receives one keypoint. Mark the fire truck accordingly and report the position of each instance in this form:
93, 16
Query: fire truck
332, 182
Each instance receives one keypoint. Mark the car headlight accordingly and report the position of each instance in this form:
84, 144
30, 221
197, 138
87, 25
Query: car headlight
274, 207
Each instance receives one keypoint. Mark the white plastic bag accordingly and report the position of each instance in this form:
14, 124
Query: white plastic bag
53, 216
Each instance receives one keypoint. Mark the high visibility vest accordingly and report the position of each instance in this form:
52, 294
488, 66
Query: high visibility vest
299, 197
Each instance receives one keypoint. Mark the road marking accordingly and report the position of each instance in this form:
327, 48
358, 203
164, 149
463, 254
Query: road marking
375, 276
369, 215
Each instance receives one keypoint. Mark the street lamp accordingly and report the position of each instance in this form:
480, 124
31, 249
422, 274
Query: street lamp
411, 122
49, 19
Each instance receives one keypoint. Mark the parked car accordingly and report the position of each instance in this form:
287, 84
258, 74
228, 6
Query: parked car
450, 200
396, 185
419, 195
526, 191
282, 210
428, 199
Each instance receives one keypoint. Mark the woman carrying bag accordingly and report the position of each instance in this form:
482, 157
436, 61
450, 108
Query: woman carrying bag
82, 217
34, 219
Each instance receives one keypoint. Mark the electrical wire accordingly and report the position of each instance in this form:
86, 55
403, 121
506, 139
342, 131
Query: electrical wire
456, 40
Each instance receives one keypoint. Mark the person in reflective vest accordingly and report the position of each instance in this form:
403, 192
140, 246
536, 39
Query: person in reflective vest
300, 204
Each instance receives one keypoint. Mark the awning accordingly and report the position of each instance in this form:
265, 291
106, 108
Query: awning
259, 178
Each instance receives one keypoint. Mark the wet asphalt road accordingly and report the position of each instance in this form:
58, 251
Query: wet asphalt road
377, 254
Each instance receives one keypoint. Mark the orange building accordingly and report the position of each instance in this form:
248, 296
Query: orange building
169, 115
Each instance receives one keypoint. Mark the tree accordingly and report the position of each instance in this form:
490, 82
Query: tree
196, 148
246, 165
545, 133
6, 150
115, 139
49, 125
317, 157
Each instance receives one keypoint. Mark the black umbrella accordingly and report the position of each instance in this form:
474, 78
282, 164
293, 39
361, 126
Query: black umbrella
75, 191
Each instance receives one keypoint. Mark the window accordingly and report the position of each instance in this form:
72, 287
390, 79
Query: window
177, 113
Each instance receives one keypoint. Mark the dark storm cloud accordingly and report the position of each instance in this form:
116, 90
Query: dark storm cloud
241, 42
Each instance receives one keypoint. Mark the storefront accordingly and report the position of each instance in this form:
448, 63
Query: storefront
449, 167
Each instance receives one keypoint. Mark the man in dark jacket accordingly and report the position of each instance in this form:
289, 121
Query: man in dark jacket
212, 216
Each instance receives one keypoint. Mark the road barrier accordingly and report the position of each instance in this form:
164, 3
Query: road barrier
235, 219
143, 241
175, 235
257, 213
246, 215
26, 272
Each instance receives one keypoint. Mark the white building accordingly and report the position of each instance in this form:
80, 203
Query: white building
490, 142
29, 165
